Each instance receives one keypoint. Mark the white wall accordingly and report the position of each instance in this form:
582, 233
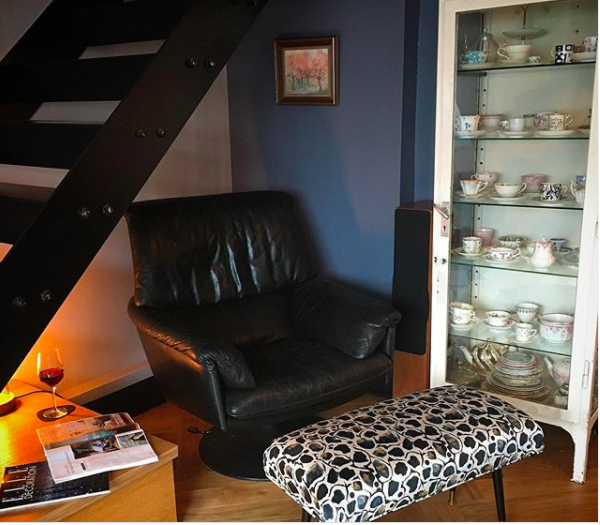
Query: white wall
99, 344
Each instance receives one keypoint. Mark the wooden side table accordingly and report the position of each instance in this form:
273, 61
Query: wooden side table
145, 493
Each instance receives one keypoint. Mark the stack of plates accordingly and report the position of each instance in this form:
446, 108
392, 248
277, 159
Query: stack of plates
518, 374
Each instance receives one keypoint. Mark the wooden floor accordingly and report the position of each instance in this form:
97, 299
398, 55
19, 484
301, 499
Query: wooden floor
536, 489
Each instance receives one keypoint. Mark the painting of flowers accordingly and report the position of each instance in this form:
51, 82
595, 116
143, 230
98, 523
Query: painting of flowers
306, 71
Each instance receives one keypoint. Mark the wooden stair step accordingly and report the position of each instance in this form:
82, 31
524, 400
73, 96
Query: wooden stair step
71, 80
119, 23
44, 144
19, 206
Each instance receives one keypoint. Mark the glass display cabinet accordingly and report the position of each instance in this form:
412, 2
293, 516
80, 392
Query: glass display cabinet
515, 269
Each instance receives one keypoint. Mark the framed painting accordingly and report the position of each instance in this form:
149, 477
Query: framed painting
306, 71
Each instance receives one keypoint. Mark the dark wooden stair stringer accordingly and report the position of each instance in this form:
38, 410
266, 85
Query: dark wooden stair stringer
43, 266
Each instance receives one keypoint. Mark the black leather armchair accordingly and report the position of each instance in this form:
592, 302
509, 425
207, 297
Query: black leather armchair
238, 329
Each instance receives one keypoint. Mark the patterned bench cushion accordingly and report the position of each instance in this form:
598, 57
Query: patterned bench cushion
363, 464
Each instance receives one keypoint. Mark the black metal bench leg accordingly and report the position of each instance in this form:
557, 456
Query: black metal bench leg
306, 516
499, 492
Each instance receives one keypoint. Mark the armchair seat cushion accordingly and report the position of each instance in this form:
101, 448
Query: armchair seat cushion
293, 374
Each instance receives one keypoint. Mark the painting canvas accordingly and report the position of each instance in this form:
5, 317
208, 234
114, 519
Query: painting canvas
306, 71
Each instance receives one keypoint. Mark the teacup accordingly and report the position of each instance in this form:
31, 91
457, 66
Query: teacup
497, 318
550, 192
474, 57
529, 121
471, 245
488, 176
562, 53
500, 253
511, 241
490, 122
524, 332
558, 243
462, 313
466, 123
509, 189
472, 187
534, 59
580, 180
513, 124
486, 235
559, 121
515, 52
526, 312
590, 44
541, 120
533, 181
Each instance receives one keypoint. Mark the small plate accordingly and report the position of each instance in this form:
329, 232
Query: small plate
511, 61
583, 57
460, 253
468, 134
585, 131
509, 326
562, 133
517, 134
512, 339
471, 67
498, 198
564, 200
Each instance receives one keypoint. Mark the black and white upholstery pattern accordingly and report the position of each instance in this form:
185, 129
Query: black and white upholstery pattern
363, 464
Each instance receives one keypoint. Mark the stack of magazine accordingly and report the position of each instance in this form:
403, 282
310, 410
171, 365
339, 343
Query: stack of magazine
79, 456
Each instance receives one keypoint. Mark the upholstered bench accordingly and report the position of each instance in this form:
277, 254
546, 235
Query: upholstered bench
366, 463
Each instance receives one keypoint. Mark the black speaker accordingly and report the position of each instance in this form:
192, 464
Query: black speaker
411, 292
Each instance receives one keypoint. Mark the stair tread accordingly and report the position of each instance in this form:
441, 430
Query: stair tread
24, 192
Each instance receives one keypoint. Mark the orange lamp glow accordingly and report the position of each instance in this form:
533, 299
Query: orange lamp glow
7, 401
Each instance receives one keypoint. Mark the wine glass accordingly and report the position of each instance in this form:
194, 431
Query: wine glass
51, 371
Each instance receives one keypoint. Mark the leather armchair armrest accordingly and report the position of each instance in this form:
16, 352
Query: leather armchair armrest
176, 330
340, 317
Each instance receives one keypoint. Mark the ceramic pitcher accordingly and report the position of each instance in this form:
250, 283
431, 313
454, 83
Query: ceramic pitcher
542, 256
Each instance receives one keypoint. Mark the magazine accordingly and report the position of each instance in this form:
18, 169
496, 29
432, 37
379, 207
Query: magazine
93, 445
30, 485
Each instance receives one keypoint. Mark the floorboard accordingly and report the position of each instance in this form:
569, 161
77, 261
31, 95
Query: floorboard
536, 489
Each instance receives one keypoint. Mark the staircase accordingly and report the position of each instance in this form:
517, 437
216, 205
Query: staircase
56, 232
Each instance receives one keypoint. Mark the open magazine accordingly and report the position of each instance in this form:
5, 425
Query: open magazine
93, 445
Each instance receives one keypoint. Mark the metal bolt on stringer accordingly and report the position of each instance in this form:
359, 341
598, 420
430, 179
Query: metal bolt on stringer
161, 132
140, 134
191, 62
45, 296
108, 209
19, 302
209, 63
196, 430
84, 213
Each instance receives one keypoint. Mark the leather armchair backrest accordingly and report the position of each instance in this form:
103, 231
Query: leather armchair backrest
205, 250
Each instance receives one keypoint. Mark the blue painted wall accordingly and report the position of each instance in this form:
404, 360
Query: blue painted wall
342, 163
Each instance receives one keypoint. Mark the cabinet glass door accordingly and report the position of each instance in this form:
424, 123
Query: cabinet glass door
524, 87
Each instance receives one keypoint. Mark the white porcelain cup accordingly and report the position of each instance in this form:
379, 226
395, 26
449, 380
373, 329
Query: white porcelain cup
524, 332
590, 44
490, 122
487, 176
515, 51
471, 245
472, 187
503, 254
509, 189
497, 318
559, 121
516, 124
467, 123
462, 313
526, 312
578, 192
534, 59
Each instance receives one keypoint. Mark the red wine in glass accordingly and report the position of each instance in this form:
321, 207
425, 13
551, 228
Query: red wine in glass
51, 371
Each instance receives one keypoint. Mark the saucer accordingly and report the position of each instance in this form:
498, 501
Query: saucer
498, 198
589, 56
471, 67
464, 327
585, 131
516, 134
463, 196
514, 340
510, 61
564, 200
509, 326
506, 261
460, 253
468, 134
562, 133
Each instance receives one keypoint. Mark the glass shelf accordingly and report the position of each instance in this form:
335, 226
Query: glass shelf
497, 136
520, 265
517, 67
481, 333
528, 201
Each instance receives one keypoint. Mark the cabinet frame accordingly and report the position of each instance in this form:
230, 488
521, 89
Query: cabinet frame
580, 414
